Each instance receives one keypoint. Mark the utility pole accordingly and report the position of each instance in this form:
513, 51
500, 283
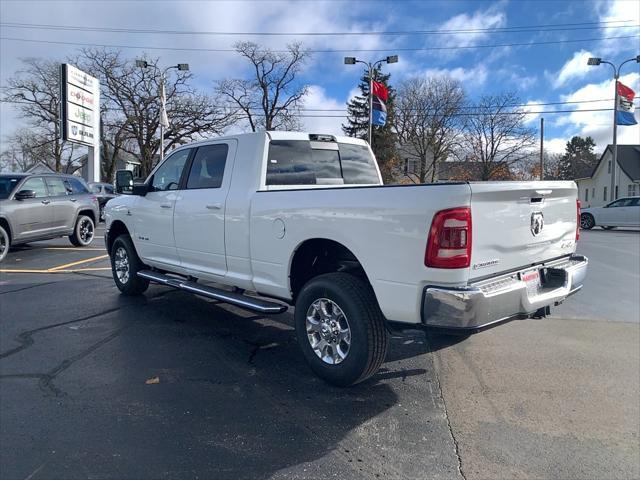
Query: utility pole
541, 148
616, 76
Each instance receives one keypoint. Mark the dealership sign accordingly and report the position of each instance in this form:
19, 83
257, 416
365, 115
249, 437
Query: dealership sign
80, 106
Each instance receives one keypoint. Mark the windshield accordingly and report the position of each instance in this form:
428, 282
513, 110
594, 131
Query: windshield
7, 184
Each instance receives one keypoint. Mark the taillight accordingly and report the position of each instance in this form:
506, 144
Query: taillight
578, 220
449, 243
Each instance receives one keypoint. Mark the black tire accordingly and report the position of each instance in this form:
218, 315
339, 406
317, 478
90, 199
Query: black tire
133, 284
83, 231
587, 222
5, 243
368, 334
608, 228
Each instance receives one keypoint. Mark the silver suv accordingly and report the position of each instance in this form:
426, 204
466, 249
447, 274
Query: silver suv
43, 206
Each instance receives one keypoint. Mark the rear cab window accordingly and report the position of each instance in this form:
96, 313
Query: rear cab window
319, 162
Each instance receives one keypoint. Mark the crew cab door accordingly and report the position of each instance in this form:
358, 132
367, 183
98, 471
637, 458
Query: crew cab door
199, 219
152, 214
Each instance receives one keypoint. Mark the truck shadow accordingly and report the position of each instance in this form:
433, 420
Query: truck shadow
254, 407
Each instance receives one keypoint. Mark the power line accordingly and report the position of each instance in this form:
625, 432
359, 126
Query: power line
514, 29
351, 50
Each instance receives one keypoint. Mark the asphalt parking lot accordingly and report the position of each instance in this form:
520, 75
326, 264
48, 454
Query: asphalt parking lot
95, 385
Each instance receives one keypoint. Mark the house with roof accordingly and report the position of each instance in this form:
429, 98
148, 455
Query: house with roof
595, 190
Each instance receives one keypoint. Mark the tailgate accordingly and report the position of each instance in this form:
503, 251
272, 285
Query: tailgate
517, 224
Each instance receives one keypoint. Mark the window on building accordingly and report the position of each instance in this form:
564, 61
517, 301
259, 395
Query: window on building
593, 194
616, 193
633, 190
586, 195
604, 194
609, 167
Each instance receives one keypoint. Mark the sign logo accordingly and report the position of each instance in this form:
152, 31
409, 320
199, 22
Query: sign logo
537, 223
74, 129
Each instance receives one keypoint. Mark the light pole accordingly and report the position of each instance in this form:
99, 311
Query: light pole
371, 67
182, 67
616, 75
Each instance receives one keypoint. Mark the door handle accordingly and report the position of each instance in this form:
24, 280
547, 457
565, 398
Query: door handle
46, 202
73, 199
214, 206
165, 205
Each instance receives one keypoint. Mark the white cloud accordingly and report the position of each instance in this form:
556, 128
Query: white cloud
613, 11
573, 69
471, 78
599, 124
555, 145
493, 17
326, 122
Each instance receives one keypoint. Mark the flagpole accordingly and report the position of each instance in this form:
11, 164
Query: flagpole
161, 119
614, 163
371, 105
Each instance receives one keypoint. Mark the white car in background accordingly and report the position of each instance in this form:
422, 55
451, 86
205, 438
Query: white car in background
624, 212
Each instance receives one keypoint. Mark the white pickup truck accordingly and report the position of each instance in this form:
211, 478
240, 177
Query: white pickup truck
271, 219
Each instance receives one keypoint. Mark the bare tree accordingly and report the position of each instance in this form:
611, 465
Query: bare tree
131, 107
428, 123
35, 91
266, 100
496, 135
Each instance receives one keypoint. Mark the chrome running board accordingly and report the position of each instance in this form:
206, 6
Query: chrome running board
243, 301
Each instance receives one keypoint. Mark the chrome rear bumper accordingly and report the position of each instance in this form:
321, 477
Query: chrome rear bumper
502, 298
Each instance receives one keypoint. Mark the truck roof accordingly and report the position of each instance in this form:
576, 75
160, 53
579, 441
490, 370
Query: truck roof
278, 135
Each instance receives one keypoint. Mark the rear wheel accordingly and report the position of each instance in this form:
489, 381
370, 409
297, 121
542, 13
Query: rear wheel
587, 221
83, 232
5, 243
340, 328
125, 265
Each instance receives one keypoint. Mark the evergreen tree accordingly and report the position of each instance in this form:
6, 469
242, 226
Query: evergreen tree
384, 137
578, 159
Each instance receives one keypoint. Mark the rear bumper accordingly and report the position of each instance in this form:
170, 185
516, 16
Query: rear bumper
502, 298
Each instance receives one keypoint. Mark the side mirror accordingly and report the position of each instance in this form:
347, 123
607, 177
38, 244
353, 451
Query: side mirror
140, 188
24, 194
124, 181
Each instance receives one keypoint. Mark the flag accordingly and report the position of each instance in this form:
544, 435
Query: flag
380, 91
164, 119
624, 108
379, 112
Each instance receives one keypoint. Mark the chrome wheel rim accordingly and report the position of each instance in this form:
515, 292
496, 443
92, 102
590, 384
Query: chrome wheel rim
121, 265
328, 331
585, 222
85, 231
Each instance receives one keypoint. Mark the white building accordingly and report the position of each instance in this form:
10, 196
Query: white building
595, 191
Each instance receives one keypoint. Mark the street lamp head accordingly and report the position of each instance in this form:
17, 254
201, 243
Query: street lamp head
142, 63
349, 60
183, 67
594, 61
637, 58
392, 59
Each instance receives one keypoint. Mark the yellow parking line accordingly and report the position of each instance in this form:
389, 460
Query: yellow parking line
72, 264
72, 249
90, 269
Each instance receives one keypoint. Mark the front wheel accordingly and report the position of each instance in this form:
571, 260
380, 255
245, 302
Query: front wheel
83, 232
340, 328
5, 243
586, 221
125, 265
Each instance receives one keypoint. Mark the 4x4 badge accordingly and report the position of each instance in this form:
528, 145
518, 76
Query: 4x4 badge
537, 223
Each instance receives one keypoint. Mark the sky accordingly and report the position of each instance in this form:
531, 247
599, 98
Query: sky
538, 49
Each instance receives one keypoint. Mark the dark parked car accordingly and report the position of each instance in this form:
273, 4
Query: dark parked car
104, 192
43, 206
